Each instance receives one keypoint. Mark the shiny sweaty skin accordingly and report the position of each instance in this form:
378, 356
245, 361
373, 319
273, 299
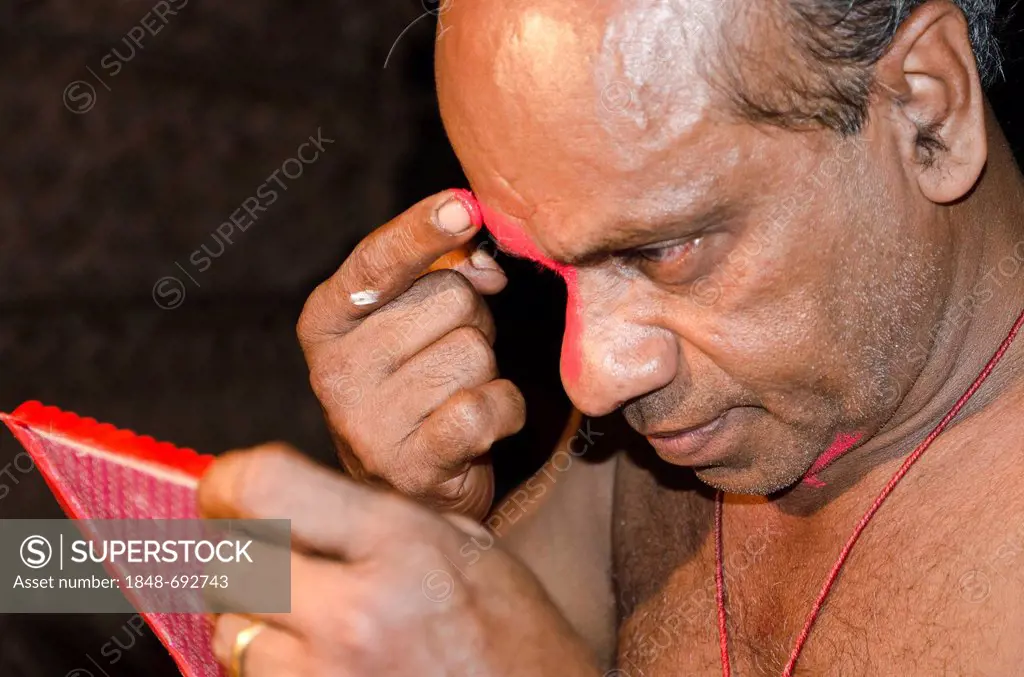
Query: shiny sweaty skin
799, 284
768, 290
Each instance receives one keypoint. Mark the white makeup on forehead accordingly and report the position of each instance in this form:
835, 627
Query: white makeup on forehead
540, 44
646, 71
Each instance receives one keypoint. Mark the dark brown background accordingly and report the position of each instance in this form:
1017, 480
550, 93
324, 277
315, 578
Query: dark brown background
96, 207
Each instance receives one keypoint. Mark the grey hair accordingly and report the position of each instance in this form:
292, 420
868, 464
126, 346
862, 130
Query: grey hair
841, 41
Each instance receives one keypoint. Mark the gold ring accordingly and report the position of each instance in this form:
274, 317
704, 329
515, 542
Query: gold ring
242, 642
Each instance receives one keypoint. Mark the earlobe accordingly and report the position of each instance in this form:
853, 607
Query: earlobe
932, 82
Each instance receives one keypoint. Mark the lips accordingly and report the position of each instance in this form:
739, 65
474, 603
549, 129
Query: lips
693, 446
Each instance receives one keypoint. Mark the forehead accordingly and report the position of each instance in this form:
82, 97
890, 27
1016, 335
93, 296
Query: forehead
566, 119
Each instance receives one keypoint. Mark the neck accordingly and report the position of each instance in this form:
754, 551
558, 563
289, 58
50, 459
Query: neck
986, 297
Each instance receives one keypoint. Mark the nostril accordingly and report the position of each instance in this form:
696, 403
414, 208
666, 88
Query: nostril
615, 362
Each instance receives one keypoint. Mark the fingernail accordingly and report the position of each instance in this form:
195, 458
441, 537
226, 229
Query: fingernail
453, 218
481, 260
459, 212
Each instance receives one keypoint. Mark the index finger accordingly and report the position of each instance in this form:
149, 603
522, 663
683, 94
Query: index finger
330, 514
388, 261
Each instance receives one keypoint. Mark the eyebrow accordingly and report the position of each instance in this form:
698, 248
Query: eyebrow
618, 239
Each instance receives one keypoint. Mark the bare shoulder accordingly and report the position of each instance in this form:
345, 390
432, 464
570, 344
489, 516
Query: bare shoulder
660, 520
571, 491
558, 523
967, 559
993, 506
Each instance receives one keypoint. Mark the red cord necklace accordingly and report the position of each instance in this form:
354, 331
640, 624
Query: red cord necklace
723, 634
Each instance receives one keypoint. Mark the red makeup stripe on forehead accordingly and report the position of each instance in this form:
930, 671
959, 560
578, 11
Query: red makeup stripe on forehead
513, 239
572, 348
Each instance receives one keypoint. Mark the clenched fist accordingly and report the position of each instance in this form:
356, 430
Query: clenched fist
402, 361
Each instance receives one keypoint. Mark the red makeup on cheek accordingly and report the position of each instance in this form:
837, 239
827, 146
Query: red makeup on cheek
842, 443
513, 239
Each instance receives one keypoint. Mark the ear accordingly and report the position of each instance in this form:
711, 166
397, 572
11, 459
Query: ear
936, 98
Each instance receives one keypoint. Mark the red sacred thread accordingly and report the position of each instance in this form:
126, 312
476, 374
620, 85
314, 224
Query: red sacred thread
723, 631
723, 638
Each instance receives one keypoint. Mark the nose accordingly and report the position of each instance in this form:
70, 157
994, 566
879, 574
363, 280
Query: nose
609, 355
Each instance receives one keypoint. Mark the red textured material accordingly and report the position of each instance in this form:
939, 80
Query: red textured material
99, 472
844, 554
843, 443
470, 204
514, 240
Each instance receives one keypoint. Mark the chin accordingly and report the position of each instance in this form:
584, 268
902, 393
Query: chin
739, 452
752, 481
761, 473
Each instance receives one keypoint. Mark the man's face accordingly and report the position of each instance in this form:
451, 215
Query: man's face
770, 288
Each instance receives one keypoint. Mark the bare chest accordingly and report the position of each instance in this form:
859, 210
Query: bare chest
923, 595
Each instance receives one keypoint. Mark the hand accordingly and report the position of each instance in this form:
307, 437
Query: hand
392, 590
403, 365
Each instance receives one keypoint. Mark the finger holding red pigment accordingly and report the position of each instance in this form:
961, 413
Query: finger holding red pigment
393, 336
477, 265
389, 260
